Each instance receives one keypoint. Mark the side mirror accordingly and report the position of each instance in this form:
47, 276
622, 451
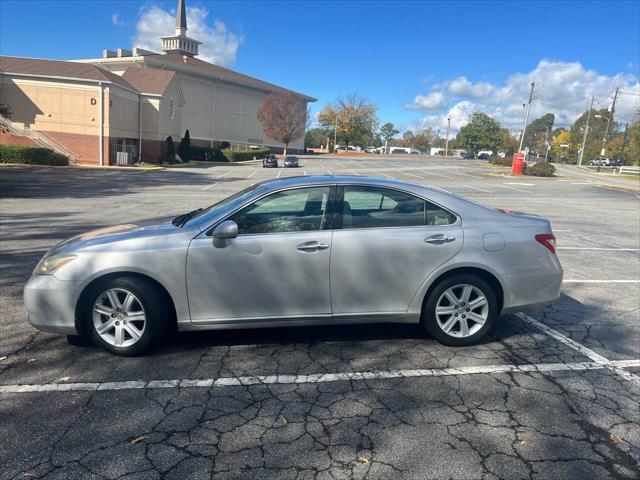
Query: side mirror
225, 230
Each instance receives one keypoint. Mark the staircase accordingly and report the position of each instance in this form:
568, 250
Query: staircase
40, 138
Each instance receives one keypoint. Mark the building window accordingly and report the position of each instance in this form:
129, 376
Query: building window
172, 108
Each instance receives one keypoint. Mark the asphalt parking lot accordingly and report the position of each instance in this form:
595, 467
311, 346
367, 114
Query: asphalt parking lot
554, 393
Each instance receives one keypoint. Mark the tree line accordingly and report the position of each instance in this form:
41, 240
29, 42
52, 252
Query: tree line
352, 120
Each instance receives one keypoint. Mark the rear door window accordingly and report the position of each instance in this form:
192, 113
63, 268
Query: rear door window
376, 207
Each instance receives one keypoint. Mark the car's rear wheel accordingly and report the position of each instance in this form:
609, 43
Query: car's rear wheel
460, 310
125, 315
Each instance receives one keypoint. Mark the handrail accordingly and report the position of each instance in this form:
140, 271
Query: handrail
40, 138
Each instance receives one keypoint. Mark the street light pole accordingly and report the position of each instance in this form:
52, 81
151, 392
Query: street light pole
335, 134
526, 116
446, 145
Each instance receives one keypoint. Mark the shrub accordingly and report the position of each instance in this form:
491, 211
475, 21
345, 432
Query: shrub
504, 161
31, 155
206, 153
170, 152
540, 170
243, 155
184, 149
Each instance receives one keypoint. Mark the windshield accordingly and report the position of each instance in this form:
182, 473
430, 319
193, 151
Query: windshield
222, 203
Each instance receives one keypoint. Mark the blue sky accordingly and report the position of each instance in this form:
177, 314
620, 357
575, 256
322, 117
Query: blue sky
418, 61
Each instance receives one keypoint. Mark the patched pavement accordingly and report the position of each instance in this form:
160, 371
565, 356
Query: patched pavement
376, 401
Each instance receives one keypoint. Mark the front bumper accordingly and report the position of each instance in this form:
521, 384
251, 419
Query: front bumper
51, 303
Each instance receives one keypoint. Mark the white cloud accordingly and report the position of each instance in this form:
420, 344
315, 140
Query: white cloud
219, 44
562, 88
461, 87
431, 101
116, 20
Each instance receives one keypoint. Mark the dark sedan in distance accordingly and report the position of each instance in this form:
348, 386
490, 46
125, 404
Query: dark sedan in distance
270, 161
291, 161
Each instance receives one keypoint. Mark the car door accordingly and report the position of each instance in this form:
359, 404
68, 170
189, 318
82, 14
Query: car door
385, 244
277, 268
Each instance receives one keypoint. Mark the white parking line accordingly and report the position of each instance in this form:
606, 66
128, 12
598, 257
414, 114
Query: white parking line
587, 352
252, 174
439, 175
476, 188
210, 186
385, 175
578, 280
461, 173
515, 188
279, 173
304, 172
224, 174
284, 379
600, 248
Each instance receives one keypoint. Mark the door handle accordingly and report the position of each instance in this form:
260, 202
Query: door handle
312, 246
439, 239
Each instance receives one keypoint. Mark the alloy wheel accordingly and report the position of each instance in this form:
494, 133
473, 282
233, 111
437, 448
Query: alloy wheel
119, 317
462, 310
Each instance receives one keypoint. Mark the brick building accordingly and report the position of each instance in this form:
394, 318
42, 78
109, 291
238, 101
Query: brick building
130, 101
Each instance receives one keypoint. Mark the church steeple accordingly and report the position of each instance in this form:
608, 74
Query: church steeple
181, 19
180, 43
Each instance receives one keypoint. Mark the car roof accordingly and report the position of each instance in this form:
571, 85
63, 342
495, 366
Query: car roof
294, 181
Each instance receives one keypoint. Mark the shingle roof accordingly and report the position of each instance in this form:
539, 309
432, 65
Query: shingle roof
149, 80
197, 64
60, 68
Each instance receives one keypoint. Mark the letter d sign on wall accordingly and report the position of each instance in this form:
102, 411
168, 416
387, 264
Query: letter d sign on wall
93, 101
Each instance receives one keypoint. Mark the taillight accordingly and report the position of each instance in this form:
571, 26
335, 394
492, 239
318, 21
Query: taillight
548, 240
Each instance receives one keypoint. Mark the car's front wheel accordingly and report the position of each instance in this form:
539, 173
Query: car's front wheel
460, 310
125, 315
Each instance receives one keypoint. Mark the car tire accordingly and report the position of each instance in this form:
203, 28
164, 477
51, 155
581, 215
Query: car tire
120, 334
439, 311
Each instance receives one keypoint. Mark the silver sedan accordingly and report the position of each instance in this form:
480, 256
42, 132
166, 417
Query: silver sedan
323, 250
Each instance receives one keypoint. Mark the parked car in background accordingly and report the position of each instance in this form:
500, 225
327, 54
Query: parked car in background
616, 162
270, 161
291, 161
483, 156
468, 155
285, 252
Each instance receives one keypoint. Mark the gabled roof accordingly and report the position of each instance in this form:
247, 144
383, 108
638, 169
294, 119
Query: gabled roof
149, 80
191, 63
60, 69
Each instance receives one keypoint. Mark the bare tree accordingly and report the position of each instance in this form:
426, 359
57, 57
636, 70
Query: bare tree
284, 117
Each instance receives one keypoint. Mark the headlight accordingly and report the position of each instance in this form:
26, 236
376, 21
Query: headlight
49, 265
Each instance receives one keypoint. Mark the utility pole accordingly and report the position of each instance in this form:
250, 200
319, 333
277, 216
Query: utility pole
446, 145
335, 134
586, 130
526, 116
606, 132
547, 144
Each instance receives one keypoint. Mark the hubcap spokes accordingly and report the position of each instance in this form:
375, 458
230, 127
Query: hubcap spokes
119, 317
462, 310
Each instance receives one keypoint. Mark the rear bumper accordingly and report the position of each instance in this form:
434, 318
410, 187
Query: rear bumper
537, 287
51, 304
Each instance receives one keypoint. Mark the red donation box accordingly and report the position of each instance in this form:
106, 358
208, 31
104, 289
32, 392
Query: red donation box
518, 164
